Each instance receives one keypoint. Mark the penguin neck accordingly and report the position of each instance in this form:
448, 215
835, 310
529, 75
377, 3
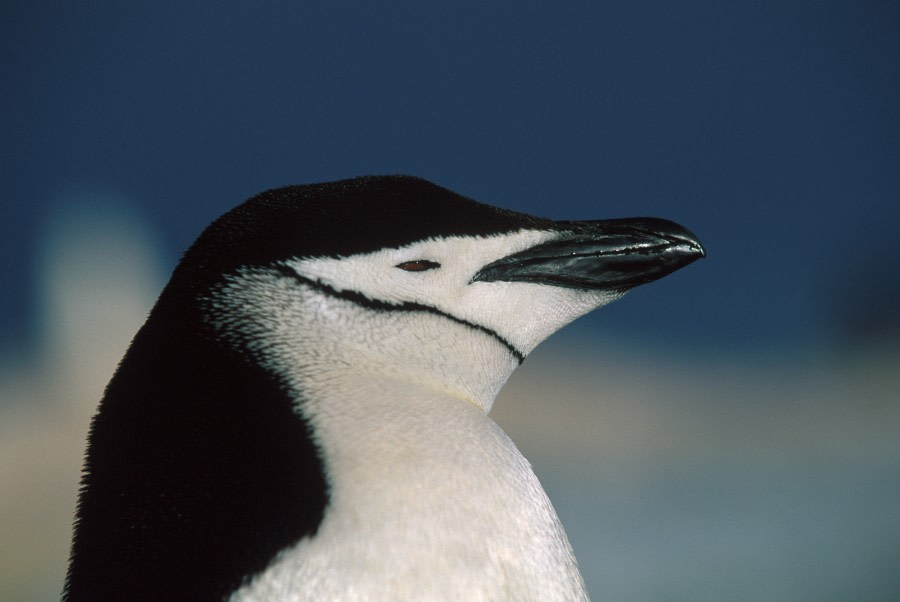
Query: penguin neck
323, 338
419, 478
424, 353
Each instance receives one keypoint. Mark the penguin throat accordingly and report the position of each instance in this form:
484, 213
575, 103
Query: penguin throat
308, 331
409, 306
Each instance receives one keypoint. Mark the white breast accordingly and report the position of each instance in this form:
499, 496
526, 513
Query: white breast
430, 500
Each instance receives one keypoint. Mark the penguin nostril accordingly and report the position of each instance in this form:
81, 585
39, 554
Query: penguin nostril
419, 265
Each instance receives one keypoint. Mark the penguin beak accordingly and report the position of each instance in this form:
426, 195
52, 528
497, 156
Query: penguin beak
601, 255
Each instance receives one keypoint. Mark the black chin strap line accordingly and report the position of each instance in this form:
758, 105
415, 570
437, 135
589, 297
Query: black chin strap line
379, 305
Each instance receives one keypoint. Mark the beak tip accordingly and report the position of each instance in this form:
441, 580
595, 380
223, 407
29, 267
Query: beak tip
700, 249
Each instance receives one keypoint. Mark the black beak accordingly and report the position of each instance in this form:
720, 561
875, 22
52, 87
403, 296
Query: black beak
614, 254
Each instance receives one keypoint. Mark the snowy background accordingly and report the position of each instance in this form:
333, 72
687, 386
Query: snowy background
731, 432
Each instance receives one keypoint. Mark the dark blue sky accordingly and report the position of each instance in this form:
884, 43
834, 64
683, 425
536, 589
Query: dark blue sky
771, 129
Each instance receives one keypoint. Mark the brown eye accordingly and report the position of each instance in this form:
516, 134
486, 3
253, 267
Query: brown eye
419, 265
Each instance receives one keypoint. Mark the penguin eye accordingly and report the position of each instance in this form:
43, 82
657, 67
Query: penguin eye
419, 265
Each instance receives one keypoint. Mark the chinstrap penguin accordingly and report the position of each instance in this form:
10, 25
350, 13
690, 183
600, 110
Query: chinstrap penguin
303, 416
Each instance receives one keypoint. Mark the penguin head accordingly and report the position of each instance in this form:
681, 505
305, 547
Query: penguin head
399, 277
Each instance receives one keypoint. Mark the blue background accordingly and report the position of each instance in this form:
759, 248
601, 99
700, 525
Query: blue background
771, 129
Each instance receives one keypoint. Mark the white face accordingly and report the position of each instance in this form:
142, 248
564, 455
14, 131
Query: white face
461, 337
522, 313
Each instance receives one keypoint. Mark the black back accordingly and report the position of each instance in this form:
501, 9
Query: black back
199, 469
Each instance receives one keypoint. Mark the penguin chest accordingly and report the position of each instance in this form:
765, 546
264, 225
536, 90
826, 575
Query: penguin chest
433, 502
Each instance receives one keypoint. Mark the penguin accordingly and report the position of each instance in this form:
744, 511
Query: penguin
304, 413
